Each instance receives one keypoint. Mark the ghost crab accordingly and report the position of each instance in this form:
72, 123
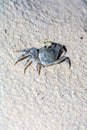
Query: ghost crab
52, 53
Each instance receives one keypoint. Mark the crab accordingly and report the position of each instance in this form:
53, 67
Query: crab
50, 54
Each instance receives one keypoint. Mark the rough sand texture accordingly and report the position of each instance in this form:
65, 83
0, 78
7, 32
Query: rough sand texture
57, 99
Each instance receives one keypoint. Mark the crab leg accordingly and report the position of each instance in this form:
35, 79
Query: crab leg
67, 59
39, 70
27, 66
24, 50
63, 58
21, 59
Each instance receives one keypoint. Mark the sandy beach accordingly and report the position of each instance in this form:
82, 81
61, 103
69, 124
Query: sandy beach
57, 99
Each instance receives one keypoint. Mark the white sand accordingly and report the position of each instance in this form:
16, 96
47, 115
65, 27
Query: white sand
57, 99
